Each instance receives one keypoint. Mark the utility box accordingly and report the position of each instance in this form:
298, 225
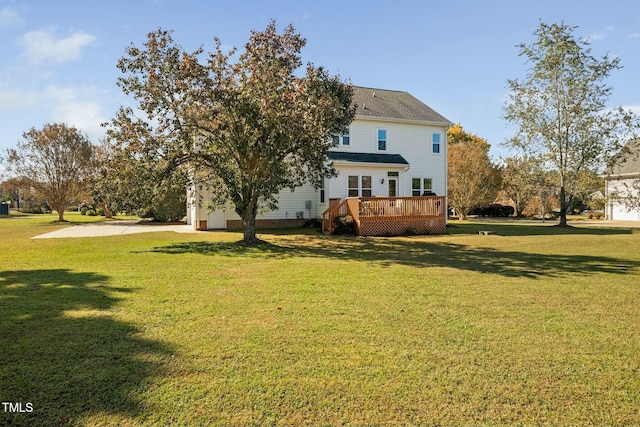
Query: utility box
307, 204
4, 208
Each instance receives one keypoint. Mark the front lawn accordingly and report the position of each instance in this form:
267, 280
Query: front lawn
535, 325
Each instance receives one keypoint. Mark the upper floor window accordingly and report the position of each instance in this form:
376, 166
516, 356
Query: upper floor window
435, 143
341, 139
382, 139
346, 139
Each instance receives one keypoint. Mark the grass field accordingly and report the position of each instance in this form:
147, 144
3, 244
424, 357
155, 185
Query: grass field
537, 325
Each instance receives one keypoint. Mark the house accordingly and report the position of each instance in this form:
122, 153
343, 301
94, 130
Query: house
622, 184
395, 147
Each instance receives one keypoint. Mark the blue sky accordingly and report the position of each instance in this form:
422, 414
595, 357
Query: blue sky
58, 59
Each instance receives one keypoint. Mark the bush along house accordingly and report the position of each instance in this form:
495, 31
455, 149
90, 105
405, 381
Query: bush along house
392, 175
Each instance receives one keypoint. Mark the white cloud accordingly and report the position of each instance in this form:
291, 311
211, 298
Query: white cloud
633, 35
76, 106
84, 115
9, 18
12, 101
601, 35
43, 46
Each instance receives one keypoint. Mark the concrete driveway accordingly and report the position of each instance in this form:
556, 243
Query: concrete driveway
114, 228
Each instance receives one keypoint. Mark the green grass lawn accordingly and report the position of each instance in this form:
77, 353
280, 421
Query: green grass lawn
536, 325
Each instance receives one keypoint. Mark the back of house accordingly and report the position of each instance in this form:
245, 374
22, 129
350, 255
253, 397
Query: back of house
395, 147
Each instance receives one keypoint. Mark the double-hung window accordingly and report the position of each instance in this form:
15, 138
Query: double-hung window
421, 185
341, 139
353, 186
360, 186
322, 196
435, 143
382, 139
366, 180
346, 138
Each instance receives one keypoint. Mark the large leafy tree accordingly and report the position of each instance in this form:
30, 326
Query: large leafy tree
472, 177
54, 161
246, 126
560, 107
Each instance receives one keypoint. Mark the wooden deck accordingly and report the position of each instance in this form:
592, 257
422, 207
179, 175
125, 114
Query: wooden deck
390, 216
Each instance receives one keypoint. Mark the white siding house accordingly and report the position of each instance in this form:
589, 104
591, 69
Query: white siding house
396, 146
622, 185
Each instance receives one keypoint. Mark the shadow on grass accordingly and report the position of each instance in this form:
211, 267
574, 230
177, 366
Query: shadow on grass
63, 352
516, 228
417, 253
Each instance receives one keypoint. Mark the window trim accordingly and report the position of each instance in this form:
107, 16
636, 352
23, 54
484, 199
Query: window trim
339, 138
436, 139
422, 188
350, 188
385, 140
347, 135
322, 191
361, 188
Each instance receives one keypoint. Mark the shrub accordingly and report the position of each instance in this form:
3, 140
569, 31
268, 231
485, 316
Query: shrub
100, 212
410, 231
91, 212
83, 210
344, 224
169, 205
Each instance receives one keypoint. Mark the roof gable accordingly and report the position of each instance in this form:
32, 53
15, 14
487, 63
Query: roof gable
627, 161
391, 104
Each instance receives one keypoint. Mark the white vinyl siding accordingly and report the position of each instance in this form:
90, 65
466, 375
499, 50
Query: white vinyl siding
617, 210
413, 141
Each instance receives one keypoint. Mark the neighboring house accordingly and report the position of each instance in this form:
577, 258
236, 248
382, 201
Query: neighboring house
396, 146
622, 190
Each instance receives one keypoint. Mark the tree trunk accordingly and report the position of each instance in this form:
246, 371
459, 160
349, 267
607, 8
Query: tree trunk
249, 230
563, 207
107, 211
249, 223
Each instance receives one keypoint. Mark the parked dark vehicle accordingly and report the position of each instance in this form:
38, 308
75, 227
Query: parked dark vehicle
493, 210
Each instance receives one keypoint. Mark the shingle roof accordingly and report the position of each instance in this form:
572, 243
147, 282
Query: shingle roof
392, 104
627, 160
367, 157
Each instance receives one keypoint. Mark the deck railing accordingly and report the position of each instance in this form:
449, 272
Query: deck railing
339, 207
376, 216
402, 206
